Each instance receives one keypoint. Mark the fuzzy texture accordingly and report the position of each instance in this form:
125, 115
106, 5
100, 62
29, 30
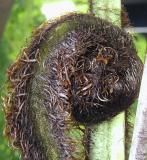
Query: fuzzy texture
77, 70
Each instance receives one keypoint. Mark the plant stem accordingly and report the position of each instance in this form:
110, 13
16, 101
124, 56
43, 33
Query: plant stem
139, 141
108, 137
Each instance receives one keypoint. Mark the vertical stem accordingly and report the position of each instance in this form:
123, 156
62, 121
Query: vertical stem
5, 9
108, 138
108, 9
90, 6
139, 141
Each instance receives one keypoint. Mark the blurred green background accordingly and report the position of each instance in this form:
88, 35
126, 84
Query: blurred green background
25, 15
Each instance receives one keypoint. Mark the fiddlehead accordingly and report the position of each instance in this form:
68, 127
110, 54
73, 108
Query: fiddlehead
77, 71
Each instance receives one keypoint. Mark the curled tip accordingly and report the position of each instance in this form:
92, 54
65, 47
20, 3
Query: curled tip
76, 70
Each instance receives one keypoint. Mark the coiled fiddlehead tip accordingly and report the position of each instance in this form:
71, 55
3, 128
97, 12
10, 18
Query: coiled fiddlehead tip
77, 70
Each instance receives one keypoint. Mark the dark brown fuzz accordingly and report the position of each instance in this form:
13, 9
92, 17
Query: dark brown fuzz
77, 70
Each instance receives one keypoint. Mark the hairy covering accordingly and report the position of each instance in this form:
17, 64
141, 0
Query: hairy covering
77, 71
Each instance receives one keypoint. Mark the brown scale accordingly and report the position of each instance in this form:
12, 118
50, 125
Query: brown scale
91, 74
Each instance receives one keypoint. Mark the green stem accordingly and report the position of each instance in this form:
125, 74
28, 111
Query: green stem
108, 138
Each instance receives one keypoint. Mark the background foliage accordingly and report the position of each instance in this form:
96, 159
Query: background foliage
25, 16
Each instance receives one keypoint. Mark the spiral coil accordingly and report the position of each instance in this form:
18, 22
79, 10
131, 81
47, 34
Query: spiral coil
78, 69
